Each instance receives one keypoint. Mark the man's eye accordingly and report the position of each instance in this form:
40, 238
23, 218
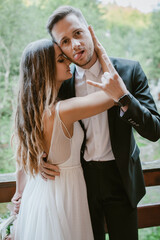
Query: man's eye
65, 41
78, 33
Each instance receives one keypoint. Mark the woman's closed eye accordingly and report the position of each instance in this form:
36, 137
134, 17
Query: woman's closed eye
61, 60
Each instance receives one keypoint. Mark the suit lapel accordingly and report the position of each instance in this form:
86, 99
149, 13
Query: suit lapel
112, 121
111, 124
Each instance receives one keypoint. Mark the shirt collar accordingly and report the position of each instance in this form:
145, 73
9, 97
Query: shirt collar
95, 69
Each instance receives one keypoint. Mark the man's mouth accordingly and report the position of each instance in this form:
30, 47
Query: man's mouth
78, 55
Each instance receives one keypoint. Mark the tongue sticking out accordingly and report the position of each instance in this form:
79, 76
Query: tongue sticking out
78, 55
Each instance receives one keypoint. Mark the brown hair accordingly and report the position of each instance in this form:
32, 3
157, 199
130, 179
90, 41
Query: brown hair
61, 13
37, 92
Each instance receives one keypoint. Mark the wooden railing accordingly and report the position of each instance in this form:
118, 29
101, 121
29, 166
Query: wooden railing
148, 215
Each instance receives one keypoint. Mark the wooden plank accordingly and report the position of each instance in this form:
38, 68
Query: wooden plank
7, 189
149, 215
152, 177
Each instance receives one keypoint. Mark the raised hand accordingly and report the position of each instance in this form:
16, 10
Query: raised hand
112, 83
99, 49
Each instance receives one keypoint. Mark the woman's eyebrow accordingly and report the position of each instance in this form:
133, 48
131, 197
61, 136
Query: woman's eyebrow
60, 55
64, 56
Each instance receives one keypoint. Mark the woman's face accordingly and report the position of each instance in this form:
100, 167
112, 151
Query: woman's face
62, 66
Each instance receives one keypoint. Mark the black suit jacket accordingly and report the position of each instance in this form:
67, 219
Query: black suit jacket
141, 115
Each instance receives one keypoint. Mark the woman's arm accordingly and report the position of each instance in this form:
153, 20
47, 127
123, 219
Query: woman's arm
74, 109
21, 179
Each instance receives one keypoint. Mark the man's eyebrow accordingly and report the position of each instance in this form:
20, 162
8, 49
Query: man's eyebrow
78, 29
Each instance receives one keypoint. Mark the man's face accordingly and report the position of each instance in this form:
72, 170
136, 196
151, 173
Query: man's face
74, 39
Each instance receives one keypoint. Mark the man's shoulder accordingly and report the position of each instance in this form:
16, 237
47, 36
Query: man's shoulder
125, 67
122, 62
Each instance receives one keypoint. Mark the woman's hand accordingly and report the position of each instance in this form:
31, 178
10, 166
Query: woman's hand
48, 170
112, 83
99, 49
16, 200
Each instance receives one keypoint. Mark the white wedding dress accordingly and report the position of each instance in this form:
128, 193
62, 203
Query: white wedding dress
57, 209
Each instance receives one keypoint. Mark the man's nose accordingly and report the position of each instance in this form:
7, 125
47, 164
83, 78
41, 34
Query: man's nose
75, 43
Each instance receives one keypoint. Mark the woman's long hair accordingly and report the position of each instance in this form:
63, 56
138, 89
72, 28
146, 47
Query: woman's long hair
37, 92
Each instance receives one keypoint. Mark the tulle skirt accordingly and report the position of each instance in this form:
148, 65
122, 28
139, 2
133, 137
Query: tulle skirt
55, 209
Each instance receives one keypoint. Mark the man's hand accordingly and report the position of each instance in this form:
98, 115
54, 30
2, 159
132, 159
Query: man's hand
48, 170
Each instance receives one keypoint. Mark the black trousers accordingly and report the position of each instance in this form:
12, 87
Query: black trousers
108, 200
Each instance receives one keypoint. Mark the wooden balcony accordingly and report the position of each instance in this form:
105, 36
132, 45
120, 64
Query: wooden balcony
148, 215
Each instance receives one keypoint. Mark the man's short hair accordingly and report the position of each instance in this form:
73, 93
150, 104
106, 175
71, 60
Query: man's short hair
61, 13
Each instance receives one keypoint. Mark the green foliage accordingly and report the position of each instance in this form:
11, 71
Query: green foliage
128, 33
124, 17
149, 233
154, 40
4, 211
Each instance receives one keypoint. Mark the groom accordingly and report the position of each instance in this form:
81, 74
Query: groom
109, 154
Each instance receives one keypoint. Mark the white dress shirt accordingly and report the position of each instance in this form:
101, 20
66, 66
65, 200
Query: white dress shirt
98, 144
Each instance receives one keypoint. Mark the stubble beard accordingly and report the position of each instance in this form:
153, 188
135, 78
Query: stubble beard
89, 57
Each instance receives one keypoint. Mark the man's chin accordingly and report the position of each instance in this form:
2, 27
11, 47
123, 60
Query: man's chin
82, 64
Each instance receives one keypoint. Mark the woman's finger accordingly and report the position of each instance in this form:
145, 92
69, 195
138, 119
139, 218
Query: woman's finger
110, 67
17, 203
45, 179
94, 38
100, 50
50, 166
102, 55
16, 200
47, 176
99, 85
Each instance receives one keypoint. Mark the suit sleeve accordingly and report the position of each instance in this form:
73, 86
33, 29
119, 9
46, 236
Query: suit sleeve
142, 112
